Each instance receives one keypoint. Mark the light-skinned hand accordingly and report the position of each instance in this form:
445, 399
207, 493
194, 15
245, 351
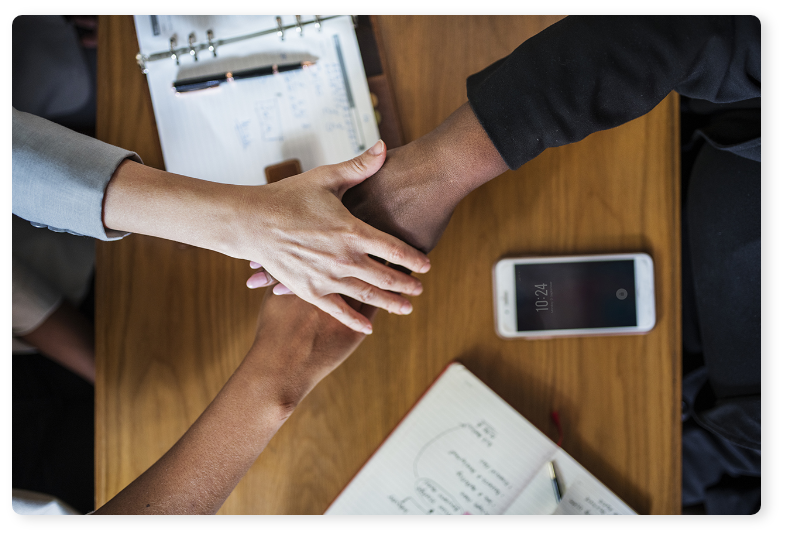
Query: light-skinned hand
310, 245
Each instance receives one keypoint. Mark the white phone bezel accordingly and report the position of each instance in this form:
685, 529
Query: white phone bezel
504, 296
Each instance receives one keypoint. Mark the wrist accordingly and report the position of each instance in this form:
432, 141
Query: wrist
463, 153
281, 387
145, 200
274, 404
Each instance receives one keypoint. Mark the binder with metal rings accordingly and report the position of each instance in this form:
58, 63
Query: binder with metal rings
212, 44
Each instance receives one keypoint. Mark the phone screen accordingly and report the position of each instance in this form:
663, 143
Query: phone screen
575, 295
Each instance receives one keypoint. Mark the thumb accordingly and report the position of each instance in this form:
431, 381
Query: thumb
354, 171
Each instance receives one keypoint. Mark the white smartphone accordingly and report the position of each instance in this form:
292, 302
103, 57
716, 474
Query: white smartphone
537, 297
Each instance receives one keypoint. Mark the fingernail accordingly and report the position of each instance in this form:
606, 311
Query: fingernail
367, 330
425, 267
406, 308
376, 150
257, 280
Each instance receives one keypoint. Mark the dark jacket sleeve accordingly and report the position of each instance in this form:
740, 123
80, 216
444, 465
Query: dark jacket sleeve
585, 74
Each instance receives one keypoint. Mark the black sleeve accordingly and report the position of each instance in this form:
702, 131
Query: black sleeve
585, 74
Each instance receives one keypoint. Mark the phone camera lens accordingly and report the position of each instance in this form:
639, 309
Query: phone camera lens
621, 293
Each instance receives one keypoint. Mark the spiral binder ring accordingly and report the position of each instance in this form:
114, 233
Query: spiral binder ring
172, 51
191, 42
212, 44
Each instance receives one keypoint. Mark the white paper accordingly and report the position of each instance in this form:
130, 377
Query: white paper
231, 133
462, 450
586, 499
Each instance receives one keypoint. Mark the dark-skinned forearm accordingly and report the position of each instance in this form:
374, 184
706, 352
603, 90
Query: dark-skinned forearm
200, 471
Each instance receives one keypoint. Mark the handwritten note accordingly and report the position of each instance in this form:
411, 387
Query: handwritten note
582, 499
461, 450
230, 133
454, 471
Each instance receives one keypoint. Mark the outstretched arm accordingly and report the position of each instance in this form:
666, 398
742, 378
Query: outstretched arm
296, 346
296, 228
576, 77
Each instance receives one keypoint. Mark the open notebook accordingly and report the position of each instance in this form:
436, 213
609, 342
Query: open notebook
464, 450
230, 133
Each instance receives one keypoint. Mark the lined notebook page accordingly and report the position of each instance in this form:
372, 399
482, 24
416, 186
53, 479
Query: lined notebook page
579, 486
232, 132
461, 450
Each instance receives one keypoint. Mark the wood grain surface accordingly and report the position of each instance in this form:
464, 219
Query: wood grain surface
173, 322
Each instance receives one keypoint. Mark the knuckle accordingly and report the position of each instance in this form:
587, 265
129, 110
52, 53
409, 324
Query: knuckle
367, 294
338, 308
395, 253
343, 263
311, 293
342, 260
356, 165
309, 290
388, 280
355, 231
414, 286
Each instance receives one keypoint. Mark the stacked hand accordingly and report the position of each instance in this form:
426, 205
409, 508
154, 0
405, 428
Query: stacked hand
299, 230
297, 345
406, 198
310, 245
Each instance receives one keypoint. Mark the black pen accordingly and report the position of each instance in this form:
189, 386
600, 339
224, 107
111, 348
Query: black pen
213, 80
555, 481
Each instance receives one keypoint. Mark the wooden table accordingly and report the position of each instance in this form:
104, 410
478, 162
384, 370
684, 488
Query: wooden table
173, 322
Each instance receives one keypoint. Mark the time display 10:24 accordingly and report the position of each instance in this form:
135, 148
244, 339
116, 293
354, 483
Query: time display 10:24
540, 292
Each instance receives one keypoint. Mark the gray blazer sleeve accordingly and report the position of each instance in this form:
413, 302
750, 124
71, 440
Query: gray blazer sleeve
59, 176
